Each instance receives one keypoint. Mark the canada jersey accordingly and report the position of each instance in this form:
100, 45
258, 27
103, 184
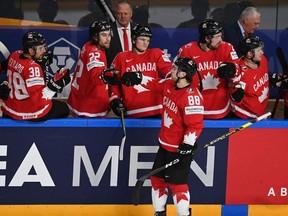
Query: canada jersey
89, 94
141, 100
182, 117
26, 81
215, 89
255, 83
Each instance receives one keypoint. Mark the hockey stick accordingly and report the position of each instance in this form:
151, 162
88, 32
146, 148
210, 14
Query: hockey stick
284, 65
121, 153
141, 180
107, 10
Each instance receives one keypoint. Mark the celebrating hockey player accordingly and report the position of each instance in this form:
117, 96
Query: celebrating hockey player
209, 52
181, 125
141, 100
254, 79
30, 97
89, 96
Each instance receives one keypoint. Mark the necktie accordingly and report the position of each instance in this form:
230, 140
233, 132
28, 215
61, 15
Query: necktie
246, 33
125, 39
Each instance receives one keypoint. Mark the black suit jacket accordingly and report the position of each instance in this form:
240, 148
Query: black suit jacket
115, 45
233, 35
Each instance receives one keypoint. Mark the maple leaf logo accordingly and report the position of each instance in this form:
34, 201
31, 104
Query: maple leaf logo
181, 196
190, 138
264, 95
209, 82
167, 120
140, 88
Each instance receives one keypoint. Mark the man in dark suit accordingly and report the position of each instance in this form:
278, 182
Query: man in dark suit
247, 23
123, 14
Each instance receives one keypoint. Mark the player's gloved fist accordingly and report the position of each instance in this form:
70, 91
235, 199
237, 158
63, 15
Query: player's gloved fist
185, 149
276, 80
226, 70
110, 76
237, 93
59, 81
117, 107
4, 90
131, 78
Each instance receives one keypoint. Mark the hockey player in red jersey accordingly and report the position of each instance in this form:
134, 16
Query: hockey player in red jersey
30, 97
208, 53
89, 96
254, 79
181, 125
141, 100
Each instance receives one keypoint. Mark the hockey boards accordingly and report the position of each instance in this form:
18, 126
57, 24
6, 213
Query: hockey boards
141, 180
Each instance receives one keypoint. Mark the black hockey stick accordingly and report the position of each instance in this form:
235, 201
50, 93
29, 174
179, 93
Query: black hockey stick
141, 180
108, 11
284, 66
121, 153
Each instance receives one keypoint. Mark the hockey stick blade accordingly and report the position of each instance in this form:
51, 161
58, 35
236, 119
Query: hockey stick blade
121, 152
141, 180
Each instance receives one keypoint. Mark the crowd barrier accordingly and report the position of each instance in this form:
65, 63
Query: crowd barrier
71, 167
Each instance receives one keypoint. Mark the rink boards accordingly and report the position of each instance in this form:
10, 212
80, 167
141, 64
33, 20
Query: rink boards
71, 166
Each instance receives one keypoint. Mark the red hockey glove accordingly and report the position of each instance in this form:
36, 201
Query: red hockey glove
226, 70
117, 107
110, 76
59, 81
131, 78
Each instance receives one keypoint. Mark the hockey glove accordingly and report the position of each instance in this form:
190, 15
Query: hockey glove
237, 93
3, 66
110, 76
46, 60
226, 70
276, 80
131, 78
186, 149
59, 81
4, 90
117, 107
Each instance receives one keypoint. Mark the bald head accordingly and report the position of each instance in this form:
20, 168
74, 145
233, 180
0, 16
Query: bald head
123, 13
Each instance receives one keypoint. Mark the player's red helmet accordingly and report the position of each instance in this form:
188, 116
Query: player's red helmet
187, 65
31, 40
249, 43
141, 30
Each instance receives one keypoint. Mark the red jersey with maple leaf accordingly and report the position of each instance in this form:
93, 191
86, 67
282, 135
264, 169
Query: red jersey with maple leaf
141, 100
182, 117
27, 99
89, 95
255, 83
215, 90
